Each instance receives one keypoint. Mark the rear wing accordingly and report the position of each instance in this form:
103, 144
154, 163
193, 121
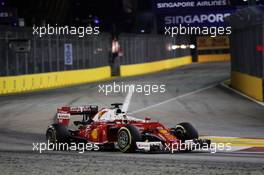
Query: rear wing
64, 113
78, 110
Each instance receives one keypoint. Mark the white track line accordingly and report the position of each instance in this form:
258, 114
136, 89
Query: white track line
243, 95
127, 100
172, 99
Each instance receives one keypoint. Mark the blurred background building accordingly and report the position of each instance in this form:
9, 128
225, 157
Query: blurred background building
129, 16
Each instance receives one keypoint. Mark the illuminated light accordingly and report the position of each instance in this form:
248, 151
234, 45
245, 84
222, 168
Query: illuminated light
96, 21
14, 24
142, 31
259, 48
192, 46
183, 46
169, 47
173, 47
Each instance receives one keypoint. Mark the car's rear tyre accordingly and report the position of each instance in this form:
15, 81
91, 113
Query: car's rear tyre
127, 138
51, 135
57, 134
185, 131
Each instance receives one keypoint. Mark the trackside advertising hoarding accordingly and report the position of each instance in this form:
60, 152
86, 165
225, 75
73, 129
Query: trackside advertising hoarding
191, 12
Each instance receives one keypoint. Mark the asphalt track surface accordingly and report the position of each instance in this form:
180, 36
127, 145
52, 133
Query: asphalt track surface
193, 94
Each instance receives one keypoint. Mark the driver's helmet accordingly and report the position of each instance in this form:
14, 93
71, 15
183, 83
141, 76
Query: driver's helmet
110, 115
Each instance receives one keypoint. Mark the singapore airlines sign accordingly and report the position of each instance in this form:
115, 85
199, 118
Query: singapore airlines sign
196, 19
192, 12
190, 4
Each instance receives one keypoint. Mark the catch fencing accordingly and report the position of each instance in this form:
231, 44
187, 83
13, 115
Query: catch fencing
22, 53
148, 48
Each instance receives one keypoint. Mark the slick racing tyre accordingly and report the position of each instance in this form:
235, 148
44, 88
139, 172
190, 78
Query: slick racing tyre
127, 138
57, 134
185, 131
51, 135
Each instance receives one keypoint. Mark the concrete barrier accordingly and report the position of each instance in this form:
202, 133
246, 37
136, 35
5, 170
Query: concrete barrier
214, 57
150, 67
248, 84
31, 82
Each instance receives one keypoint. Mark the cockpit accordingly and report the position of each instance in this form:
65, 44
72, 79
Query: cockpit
110, 115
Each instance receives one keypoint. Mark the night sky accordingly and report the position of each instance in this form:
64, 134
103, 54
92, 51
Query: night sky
79, 12
121, 15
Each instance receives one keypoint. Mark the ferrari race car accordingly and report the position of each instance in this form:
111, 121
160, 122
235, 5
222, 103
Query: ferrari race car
111, 128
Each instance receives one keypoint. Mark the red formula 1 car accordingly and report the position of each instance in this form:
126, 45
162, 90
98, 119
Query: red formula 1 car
111, 128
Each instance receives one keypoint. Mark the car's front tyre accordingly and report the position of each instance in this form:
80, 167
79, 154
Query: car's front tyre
185, 131
127, 138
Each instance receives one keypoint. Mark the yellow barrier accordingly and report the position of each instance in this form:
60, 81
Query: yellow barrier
144, 68
249, 85
209, 43
22, 83
214, 57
